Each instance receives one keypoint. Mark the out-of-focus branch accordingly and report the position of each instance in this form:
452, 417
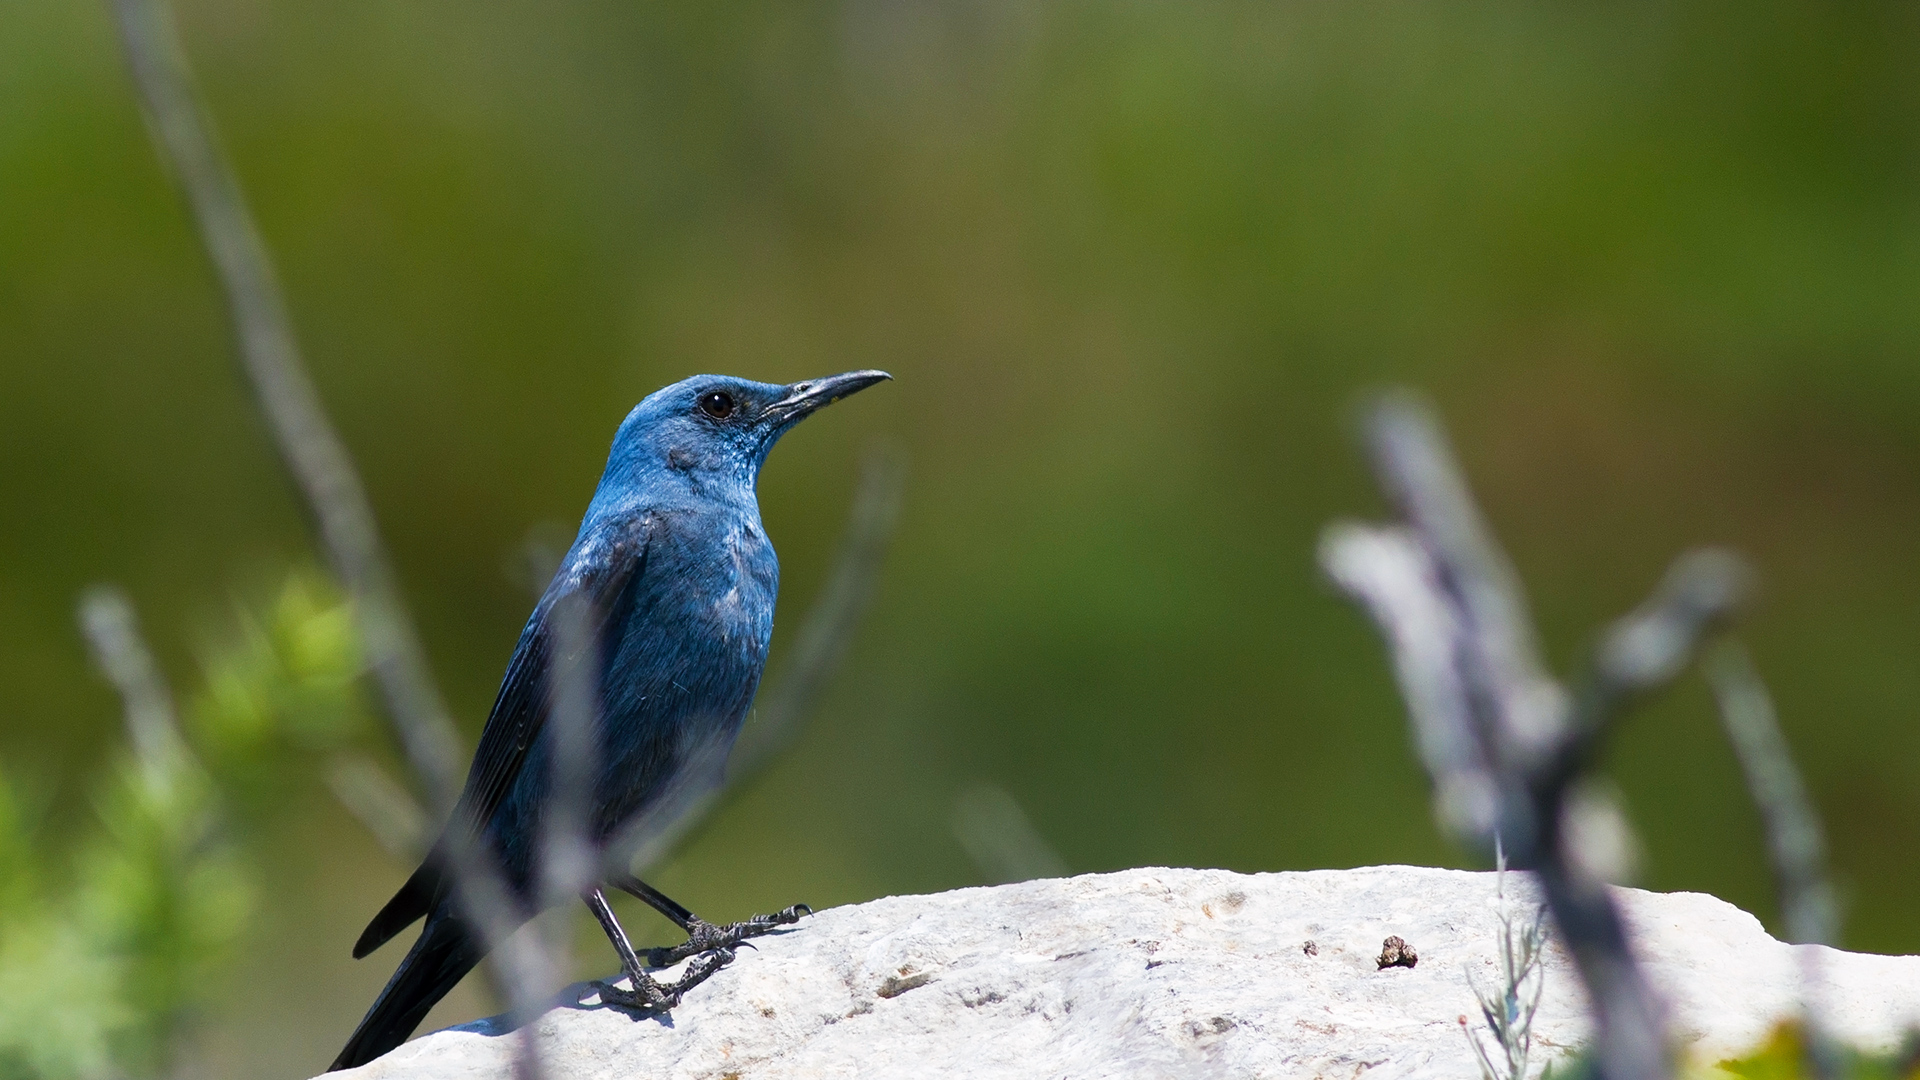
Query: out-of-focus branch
1524, 706
1796, 843
1002, 842
308, 445
162, 896
323, 472
378, 802
818, 649
1389, 571
1506, 745
567, 864
567, 857
113, 633
833, 618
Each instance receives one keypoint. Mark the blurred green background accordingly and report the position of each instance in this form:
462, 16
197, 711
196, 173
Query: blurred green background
1132, 264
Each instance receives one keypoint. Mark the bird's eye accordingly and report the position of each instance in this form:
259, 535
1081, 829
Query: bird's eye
718, 404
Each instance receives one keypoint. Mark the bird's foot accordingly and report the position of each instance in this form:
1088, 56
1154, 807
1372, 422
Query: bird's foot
704, 936
650, 995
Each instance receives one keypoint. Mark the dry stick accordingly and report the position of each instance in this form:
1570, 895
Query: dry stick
378, 801
1000, 838
1502, 662
833, 618
1389, 571
1638, 653
113, 633
818, 649
320, 466
1392, 575
1796, 843
567, 858
1795, 839
1504, 742
568, 863
308, 445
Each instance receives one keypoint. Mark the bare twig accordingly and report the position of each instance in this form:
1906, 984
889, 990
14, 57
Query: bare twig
1388, 570
818, 648
834, 616
1796, 843
1524, 707
567, 856
322, 470
378, 801
568, 861
1000, 839
113, 633
181, 827
308, 445
1509, 1009
1506, 745
1795, 840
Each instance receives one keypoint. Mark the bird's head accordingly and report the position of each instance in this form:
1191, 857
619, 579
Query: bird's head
717, 428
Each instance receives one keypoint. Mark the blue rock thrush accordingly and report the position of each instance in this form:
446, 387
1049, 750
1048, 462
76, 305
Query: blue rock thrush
679, 577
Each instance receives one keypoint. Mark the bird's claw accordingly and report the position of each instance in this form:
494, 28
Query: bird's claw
706, 937
650, 995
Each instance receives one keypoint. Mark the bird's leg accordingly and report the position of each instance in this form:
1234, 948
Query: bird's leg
703, 936
648, 994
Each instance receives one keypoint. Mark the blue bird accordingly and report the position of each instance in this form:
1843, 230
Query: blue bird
680, 578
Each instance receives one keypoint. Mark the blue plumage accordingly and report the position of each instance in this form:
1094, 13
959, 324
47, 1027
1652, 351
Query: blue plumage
680, 580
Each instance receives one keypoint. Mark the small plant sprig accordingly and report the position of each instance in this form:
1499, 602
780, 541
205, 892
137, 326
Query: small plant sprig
1509, 1008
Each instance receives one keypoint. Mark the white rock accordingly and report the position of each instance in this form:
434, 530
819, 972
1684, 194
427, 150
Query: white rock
1157, 973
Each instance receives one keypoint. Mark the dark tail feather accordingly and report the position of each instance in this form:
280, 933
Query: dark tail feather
444, 953
414, 899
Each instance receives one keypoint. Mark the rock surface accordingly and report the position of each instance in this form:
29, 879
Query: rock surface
1164, 973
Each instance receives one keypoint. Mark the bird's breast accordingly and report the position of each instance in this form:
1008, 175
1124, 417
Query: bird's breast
743, 610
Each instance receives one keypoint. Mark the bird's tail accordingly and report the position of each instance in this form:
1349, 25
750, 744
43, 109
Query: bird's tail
444, 953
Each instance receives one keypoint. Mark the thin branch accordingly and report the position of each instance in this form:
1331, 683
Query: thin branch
1506, 745
113, 633
567, 862
1796, 842
167, 770
818, 650
1001, 840
1418, 471
380, 803
324, 473
308, 445
1389, 571
830, 623
567, 856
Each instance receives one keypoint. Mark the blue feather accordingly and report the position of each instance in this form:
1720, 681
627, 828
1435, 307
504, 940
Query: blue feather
678, 572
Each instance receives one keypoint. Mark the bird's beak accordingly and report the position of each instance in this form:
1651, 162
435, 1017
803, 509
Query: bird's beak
808, 395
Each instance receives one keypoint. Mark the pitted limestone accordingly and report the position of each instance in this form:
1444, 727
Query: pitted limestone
1167, 972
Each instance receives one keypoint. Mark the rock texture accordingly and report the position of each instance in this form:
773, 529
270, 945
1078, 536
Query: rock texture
1168, 973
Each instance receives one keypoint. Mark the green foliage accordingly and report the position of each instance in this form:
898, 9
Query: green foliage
104, 971
54, 1020
1785, 1056
282, 683
165, 894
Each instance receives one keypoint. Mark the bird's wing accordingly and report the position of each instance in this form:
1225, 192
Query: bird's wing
601, 569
